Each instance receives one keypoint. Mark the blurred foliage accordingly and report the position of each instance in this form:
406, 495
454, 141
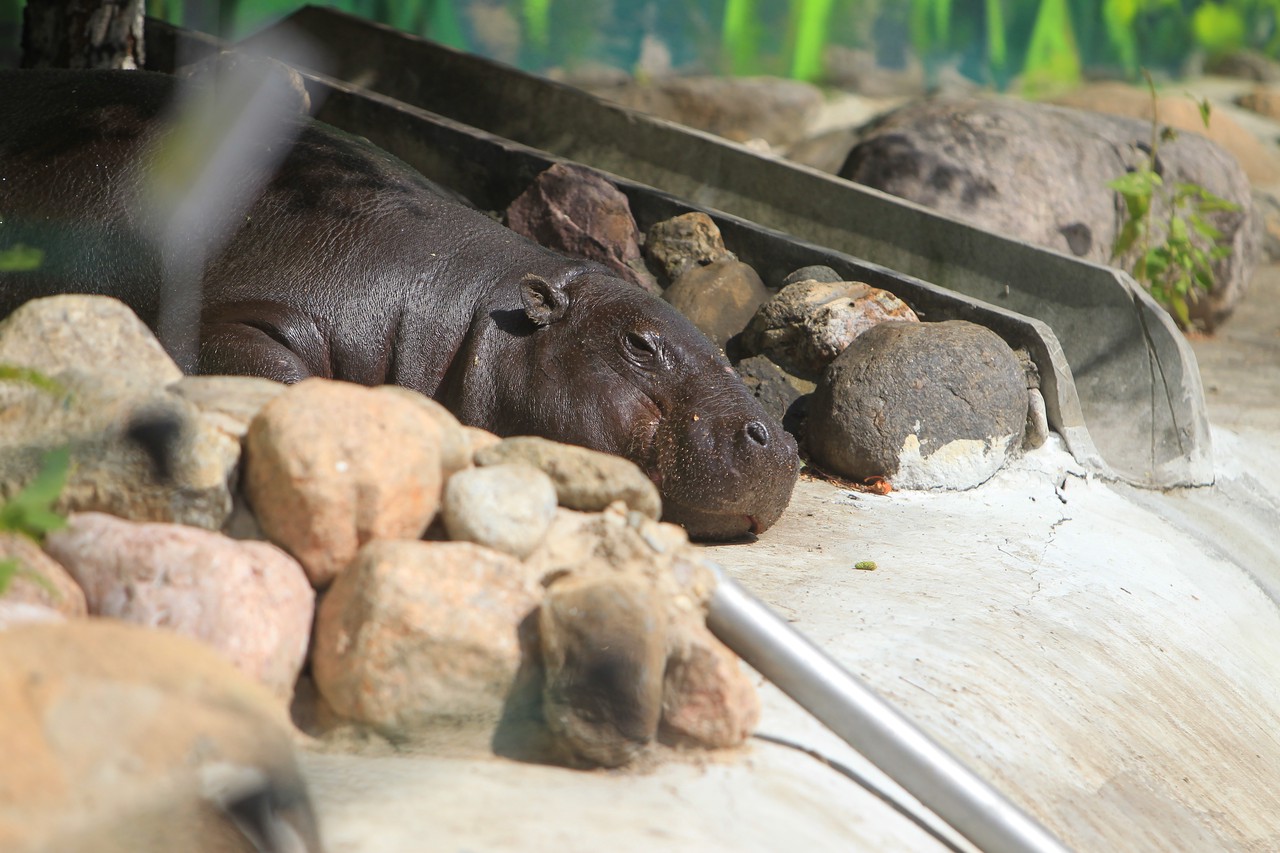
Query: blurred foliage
1027, 45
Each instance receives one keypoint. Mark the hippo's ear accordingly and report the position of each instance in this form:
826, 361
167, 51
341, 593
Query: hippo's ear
544, 303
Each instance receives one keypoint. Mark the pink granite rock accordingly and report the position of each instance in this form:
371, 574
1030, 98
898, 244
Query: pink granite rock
57, 591
417, 631
708, 700
332, 465
248, 600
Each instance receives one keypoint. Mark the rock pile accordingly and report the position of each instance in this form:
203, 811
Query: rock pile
509, 621
941, 406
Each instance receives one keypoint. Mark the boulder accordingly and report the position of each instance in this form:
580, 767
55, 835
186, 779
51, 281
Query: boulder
682, 242
574, 210
626, 656
504, 507
585, 479
1260, 162
413, 633
604, 653
228, 403
137, 450
248, 600
707, 698
455, 448
808, 323
89, 334
719, 298
1039, 173
739, 108
40, 579
923, 405
118, 738
332, 465
779, 392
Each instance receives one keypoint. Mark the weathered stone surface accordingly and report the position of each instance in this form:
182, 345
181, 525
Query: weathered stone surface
14, 613
859, 70
585, 479
617, 581
228, 403
505, 507
117, 738
181, 472
816, 272
1260, 162
574, 210
90, 334
478, 439
682, 242
1263, 100
417, 631
720, 298
604, 650
110, 373
808, 323
738, 108
924, 405
455, 449
777, 390
56, 590
333, 465
1039, 173
248, 600
1245, 65
707, 698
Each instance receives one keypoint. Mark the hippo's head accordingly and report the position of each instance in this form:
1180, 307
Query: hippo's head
588, 359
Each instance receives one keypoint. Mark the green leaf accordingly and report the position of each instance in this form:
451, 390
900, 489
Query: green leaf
30, 512
8, 568
1180, 311
20, 258
1143, 182
31, 377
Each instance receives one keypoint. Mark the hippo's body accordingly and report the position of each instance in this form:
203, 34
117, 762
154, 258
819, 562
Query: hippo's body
352, 266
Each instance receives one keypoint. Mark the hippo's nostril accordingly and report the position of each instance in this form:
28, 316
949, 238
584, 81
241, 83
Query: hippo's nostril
758, 432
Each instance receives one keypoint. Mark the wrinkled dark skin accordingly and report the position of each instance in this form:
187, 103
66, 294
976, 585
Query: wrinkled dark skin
352, 266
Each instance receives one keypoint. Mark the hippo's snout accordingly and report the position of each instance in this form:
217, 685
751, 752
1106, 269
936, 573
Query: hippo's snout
726, 475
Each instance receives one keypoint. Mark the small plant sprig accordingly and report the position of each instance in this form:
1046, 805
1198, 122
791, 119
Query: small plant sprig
30, 512
1174, 266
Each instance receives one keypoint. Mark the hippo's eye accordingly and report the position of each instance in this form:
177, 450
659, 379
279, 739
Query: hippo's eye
642, 344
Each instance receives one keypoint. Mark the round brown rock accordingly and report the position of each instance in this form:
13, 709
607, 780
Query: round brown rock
925, 405
720, 298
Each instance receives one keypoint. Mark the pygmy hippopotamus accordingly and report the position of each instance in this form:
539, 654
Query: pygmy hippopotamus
352, 266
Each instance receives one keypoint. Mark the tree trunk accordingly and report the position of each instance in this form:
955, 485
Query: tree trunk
82, 34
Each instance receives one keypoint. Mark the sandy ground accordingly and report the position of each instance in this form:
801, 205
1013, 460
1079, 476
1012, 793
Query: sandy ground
1108, 657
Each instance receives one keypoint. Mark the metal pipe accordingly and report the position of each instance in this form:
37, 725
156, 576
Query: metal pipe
871, 726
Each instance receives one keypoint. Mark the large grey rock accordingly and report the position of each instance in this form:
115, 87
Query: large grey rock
1039, 173
140, 740
808, 323
585, 479
505, 507
924, 405
720, 298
